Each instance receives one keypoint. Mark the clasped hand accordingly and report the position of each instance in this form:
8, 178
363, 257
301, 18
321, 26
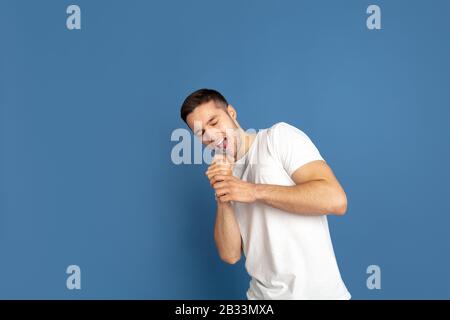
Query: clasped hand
227, 187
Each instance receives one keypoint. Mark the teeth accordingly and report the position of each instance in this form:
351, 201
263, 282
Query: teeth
219, 142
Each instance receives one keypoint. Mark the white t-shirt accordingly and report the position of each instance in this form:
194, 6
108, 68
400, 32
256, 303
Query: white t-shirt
288, 255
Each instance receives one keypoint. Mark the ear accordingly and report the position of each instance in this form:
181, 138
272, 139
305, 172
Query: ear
231, 111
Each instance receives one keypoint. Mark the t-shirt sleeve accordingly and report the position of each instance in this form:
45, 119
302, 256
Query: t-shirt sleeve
292, 147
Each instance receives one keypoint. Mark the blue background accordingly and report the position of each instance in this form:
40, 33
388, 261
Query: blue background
87, 115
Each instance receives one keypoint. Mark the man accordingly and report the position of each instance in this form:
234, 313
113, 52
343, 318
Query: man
273, 192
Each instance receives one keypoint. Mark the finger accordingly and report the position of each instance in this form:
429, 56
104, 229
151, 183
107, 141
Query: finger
224, 198
223, 177
211, 167
224, 166
219, 173
218, 168
222, 191
220, 184
212, 175
218, 177
214, 180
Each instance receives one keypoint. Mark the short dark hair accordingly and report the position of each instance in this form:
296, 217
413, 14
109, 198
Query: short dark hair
200, 97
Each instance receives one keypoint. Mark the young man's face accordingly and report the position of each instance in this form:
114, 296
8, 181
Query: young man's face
215, 126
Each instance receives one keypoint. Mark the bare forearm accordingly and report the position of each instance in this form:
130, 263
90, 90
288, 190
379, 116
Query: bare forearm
317, 197
226, 233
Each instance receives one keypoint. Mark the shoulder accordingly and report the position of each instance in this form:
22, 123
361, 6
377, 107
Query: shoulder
292, 146
283, 130
280, 125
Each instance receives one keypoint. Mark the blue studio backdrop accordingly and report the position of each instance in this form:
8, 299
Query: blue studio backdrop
87, 115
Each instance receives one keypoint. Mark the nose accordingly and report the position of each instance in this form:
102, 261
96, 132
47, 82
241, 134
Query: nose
211, 136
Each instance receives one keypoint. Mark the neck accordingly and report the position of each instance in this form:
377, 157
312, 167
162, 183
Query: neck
246, 141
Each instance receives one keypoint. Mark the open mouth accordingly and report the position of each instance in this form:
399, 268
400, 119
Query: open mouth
222, 144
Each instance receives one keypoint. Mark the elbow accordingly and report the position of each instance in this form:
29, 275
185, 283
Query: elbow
231, 259
341, 210
339, 207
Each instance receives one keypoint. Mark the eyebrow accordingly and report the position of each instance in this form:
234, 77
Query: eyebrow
203, 130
